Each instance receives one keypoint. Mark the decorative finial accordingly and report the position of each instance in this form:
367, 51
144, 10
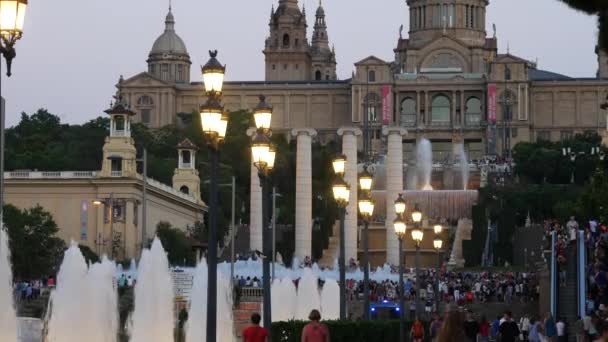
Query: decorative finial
508, 47
170, 7
213, 53
262, 98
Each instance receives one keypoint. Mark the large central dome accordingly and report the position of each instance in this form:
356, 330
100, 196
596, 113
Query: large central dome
169, 42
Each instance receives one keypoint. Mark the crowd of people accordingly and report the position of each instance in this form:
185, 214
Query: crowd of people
462, 288
32, 289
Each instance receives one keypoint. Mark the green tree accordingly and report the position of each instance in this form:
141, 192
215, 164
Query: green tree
35, 250
176, 244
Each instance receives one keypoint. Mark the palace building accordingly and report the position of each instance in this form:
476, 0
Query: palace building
447, 83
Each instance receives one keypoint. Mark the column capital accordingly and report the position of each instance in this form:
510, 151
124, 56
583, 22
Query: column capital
304, 131
394, 130
348, 130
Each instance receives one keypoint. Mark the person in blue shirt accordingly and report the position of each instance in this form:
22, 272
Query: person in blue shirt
495, 327
550, 328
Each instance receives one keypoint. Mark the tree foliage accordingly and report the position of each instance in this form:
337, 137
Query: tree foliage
36, 252
176, 244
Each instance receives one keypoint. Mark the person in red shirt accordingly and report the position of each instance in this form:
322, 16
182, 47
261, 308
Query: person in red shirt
315, 331
255, 333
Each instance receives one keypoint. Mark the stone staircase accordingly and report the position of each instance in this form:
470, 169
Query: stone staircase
242, 315
333, 248
34, 308
567, 306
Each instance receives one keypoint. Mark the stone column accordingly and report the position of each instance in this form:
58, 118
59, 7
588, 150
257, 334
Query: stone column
303, 191
255, 206
394, 186
349, 149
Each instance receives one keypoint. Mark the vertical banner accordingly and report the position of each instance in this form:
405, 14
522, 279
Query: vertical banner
84, 220
492, 103
387, 104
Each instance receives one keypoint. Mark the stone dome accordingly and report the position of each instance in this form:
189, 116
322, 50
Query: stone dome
169, 42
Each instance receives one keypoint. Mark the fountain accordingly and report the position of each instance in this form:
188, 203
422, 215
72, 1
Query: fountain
308, 294
283, 300
424, 162
196, 328
84, 301
463, 163
8, 320
153, 315
330, 300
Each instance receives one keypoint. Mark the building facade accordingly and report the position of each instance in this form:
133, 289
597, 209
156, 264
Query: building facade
447, 82
104, 210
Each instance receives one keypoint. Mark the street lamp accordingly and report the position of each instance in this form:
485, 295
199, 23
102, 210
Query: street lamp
400, 230
417, 236
214, 123
366, 209
438, 229
341, 192
263, 156
12, 18
400, 205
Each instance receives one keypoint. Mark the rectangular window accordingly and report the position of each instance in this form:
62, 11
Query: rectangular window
180, 73
119, 211
543, 136
165, 72
566, 135
117, 164
135, 214
145, 116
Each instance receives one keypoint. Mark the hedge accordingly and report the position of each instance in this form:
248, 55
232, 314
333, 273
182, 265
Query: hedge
345, 331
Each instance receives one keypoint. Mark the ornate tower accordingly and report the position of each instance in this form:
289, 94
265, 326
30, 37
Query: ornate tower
464, 20
119, 149
186, 178
446, 36
169, 59
323, 58
287, 50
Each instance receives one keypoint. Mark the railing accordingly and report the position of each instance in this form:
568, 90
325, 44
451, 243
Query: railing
472, 121
116, 174
166, 188
119, 133
252, 292
49, 174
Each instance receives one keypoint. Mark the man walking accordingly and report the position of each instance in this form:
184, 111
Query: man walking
255, 333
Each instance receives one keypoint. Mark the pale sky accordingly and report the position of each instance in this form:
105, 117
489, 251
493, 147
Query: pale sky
73, 52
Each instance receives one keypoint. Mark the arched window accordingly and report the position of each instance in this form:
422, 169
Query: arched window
408, 112
145, 101
119, 123
440, 114
184, 190
318, 75
327, 77
371, 76
186, 157
473, 112
285, 40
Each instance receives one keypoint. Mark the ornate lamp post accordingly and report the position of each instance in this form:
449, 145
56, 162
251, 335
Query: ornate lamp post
437, 244
263, 156
341, 192
214, 124
12, 18
400, 230
417, 235
366, 209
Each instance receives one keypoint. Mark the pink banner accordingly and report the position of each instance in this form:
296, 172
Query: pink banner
387, 104
492, 103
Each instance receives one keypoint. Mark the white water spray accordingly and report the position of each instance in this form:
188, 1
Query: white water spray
84, 301
463, 163
308, 294
424, 163
330, 300
153, 315
283, 300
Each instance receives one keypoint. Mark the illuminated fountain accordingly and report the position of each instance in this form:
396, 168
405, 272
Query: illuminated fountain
424, 163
